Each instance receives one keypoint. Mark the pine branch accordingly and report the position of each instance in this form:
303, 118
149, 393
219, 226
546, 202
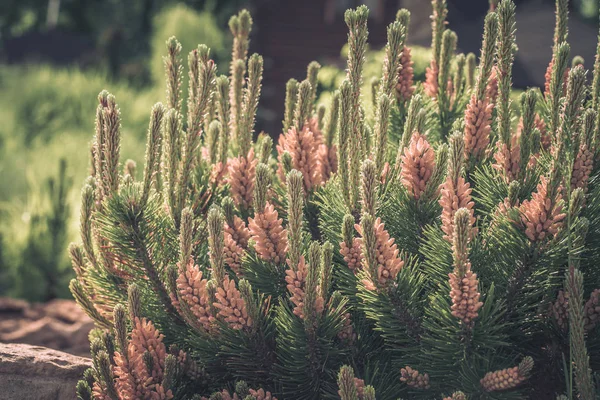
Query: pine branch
583, 373
438, 26
381, 130
332, 122
223, 112
345, 143
172, 156
488, 48
174, 74
505, 55
356, 20
250, 104
303, 105
153, 149
295, 219
312, 71
559, 67
291, 97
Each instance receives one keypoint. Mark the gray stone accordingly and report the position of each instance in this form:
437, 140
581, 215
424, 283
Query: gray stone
38, 373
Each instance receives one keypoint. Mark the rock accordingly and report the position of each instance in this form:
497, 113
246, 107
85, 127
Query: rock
34, 372
58, 324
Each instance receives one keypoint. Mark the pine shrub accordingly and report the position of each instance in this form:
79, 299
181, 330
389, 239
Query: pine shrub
447, 247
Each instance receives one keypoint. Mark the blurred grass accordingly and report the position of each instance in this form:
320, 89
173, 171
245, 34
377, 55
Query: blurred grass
47, 114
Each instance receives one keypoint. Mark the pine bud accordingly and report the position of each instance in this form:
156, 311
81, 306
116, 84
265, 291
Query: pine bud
286, 162
591, 311
313, 302
345, 141
507, 378
413, 378
291, 98
120, 320
295, 278
231, 306
111, 116
455, 191
129, 168
228, 208
369, 187
380, 253
215, 243
77, 259
193, 80
311, 76
268, 234
456, 156
488, 46
396, 34
559, 68
321, 116
417, 165
266, 146
108, 342
186, 236
238, 68
195, 301
87, 305
477, 121
369, 393
458, 79
153, 149
505, 55
332, 122
170, 371
430, 85
405, 84
174, 74
134, 304
471, 61
242, 174
581, 362
84, 392
439, 171
347, 387
463, 282
542, 216
303, 106
85, 220
222, 98
457, 395
448, 48
382, 120
172, 137
295, 212
105, 373
582, 168
560, 309
262, 186
213, 139
303, 148
438, 25
327, 271
255, 71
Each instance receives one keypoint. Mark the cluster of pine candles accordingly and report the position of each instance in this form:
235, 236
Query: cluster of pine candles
440, 243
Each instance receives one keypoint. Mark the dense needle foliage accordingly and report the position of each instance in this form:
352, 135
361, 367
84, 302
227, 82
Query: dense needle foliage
446, 248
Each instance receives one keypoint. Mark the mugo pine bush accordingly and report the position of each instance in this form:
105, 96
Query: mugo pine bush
448, 248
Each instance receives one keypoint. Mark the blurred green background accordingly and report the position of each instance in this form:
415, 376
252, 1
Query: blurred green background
47, 113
